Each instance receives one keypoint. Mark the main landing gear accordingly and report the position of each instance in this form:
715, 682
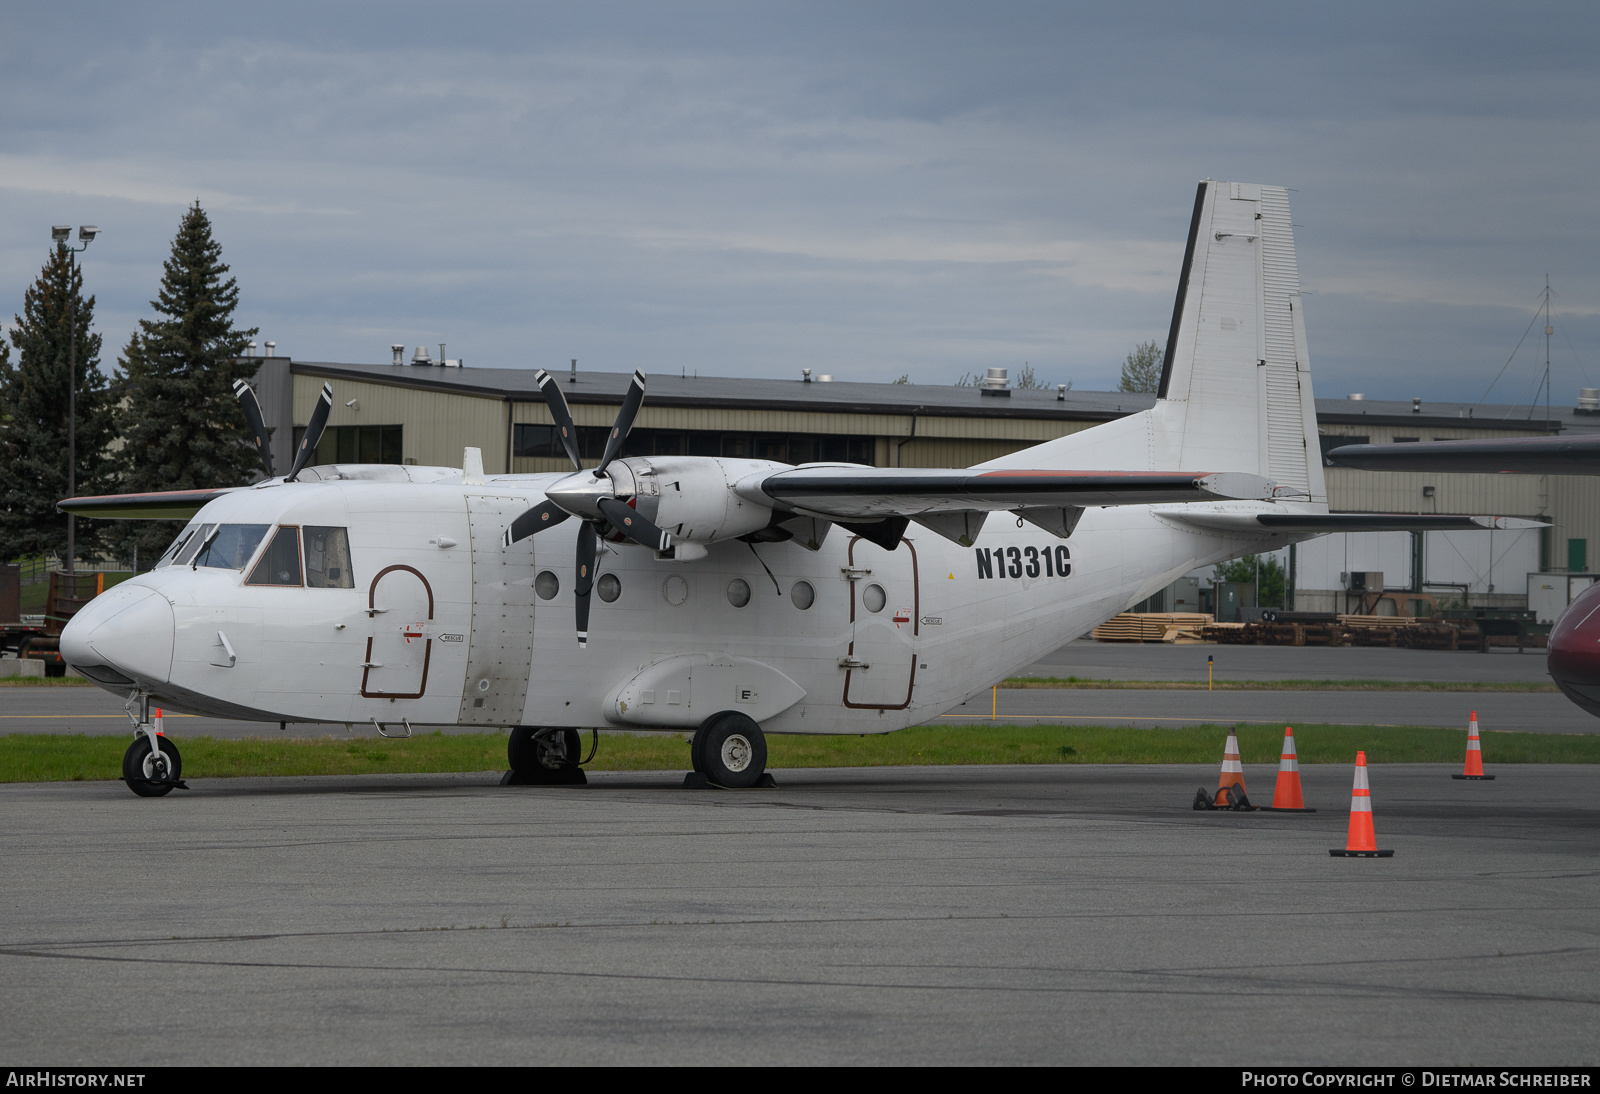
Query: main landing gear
729, 750
544, 757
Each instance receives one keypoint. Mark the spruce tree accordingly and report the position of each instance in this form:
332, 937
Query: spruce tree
182, 427
34, 417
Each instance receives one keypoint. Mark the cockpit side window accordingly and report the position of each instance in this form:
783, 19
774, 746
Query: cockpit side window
280, 562
178, 544
231, 547
328, 558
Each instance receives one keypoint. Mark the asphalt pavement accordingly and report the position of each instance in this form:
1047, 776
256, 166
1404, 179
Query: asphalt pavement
91, 710
1090, 660
980, 915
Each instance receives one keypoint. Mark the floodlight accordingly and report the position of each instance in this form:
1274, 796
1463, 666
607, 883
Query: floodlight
88, 232
61, 233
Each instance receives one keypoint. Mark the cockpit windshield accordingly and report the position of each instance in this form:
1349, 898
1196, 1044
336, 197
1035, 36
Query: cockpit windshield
222, 546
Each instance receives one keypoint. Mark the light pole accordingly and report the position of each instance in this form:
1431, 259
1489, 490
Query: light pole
61, 233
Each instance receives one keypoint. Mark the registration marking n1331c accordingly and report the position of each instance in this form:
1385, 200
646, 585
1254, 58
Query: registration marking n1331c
1027, 561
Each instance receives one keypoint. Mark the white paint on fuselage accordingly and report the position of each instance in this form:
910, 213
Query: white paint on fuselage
300, 650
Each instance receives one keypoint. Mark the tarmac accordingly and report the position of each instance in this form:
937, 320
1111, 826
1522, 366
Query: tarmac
974, 915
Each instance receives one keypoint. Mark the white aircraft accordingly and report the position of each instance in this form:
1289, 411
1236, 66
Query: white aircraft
737, 597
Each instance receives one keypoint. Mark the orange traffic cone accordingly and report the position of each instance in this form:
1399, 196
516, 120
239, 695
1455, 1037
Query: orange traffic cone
1474, 765
1363, 840
161, 730
1287, 796
1230, 783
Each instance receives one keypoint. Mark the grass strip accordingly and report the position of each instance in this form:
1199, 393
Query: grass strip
44, 682
1076, 683
26, 757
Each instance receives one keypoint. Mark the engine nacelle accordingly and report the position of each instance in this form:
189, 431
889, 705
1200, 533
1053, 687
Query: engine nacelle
693, 497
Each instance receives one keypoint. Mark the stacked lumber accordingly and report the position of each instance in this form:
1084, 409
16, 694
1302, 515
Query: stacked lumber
1151, 627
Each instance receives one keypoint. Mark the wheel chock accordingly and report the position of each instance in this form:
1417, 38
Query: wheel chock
694, 780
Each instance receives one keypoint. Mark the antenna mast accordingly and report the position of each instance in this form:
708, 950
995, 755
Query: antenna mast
1549, 329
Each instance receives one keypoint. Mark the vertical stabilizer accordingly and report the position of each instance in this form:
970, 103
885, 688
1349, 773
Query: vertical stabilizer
1235, 389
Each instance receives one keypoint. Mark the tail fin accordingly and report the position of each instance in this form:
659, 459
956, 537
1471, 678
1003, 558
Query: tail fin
1236, 382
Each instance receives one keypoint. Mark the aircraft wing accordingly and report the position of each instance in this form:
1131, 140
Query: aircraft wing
877, 493
1508, 455
161, 505
1317, 523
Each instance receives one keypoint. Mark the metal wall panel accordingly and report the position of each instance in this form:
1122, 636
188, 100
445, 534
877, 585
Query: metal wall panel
437, 425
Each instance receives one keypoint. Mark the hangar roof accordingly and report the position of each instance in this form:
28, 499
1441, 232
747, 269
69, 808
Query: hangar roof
745, 393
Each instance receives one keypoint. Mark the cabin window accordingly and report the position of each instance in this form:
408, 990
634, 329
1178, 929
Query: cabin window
609, 587
547, 585
738, 592
178, 544
280, 562
328, 558
803, 595
874, 598
227, 546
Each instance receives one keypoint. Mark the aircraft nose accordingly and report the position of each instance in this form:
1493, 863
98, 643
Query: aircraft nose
128, 628
1574, 657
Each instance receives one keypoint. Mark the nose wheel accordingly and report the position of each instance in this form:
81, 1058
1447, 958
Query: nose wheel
150, 773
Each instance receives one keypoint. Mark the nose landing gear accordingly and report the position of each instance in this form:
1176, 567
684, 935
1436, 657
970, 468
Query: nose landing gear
150, 773
152, 766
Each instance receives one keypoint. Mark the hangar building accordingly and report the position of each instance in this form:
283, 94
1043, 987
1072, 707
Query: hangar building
426, 413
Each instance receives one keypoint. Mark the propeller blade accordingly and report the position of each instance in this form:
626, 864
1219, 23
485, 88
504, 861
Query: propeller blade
625, 519
557, 402
313, 434
547, 514
587, 543
258, 424
625, 416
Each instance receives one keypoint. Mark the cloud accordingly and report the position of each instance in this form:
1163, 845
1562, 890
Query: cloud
926, 188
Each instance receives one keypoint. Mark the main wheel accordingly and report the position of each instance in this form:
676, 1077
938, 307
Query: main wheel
144, 774
543, 757
731, 750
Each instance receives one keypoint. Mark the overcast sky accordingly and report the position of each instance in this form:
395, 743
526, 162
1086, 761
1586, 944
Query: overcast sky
866, 189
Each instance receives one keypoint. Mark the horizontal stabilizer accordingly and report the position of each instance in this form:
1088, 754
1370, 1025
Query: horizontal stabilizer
1316, 523
867, 493
162, 505
1508, 455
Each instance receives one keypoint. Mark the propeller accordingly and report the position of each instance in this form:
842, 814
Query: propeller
313, 434
258, 424
590, 495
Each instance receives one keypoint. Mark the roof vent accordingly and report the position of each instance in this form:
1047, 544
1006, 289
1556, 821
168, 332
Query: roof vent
421, 357
1356, 398
805, 376
1416, 406
995, 382
399, 351
825, 378
1589, 400
1061, 393
272, 349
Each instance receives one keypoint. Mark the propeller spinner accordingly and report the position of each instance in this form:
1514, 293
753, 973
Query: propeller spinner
589, 495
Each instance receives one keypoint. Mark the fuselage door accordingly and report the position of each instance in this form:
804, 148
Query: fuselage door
500, 649
400, 608
884, 626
